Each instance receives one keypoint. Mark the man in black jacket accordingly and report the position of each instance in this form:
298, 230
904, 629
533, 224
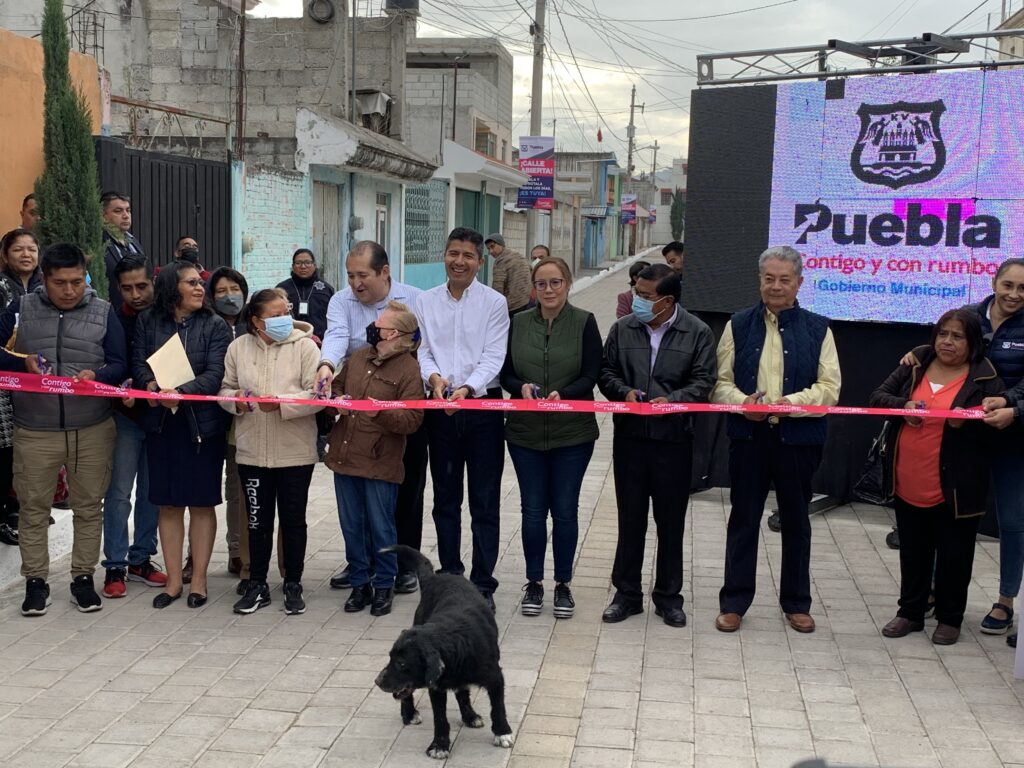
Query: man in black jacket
117, 240
134, 277
662, 354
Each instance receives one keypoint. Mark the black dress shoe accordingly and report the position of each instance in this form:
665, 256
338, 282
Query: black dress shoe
674, 617
489, 597
163, 599
359, 599
196, 600
342, 580
381, 602
620, 611
406, 583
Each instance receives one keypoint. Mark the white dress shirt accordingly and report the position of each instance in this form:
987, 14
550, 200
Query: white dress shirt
347, 318
657, 334
464, 341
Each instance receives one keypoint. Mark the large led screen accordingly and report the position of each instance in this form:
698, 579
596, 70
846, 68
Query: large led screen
903, 192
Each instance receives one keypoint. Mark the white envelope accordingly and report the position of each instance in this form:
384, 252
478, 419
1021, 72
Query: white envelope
170, 364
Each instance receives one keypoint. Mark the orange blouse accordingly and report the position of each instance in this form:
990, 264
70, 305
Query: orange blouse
917, 450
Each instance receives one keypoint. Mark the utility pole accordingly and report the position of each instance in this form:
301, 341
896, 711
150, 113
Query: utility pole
654, 163
240, 106
631, 133
536, 103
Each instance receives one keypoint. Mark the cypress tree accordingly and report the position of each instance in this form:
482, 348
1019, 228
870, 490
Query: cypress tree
67, 194
677, 214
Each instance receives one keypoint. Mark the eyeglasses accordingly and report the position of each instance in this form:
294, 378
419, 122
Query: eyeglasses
194, 282
302, 263
555, 283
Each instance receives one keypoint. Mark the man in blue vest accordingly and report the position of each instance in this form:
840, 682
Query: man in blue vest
774, 352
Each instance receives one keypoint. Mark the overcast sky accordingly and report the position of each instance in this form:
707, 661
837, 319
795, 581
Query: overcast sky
657, 53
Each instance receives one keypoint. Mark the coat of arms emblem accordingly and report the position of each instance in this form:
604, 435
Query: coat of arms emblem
899, 144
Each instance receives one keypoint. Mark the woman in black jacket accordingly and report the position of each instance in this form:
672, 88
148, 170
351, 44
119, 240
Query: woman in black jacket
308, 293
938, 471
185, 441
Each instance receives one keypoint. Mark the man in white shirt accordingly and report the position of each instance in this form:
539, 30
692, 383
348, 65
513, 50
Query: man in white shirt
465, 335
349, 312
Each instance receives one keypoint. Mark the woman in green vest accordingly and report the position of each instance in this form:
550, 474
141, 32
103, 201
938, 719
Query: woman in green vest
554, 353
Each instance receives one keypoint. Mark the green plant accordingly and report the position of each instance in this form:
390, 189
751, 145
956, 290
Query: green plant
677, 214
67, 194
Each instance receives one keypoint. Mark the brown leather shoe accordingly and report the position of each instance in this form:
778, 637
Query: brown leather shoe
728, 622
945, 634
186, 571
801, 622
901, 627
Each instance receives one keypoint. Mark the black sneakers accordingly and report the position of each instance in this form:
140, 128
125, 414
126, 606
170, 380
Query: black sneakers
563, 603
293, 602
256, 596
37, 598
533, 599
83, 595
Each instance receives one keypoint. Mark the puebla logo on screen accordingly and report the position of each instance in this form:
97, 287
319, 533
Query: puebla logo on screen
901, 145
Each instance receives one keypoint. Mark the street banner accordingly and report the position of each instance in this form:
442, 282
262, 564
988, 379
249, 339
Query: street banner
537, 160
628, 208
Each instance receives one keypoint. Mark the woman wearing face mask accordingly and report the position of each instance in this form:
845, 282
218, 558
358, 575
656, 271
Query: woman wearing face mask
276, 442
366, 449
184, 440
228, 292
554, 353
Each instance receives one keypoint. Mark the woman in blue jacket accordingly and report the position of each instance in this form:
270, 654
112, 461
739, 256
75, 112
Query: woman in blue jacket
185, 441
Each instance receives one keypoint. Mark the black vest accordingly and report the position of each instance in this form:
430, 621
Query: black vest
802, 335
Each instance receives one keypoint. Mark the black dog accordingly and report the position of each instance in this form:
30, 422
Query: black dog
452, 645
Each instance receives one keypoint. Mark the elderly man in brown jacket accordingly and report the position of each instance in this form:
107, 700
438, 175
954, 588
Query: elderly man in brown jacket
511, 276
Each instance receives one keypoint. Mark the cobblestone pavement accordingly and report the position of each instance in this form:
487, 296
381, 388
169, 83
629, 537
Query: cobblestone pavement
133, 686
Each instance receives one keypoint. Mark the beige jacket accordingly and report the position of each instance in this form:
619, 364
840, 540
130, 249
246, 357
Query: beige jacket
285, 437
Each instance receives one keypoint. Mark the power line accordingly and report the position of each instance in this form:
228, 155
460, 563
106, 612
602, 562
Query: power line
696, 18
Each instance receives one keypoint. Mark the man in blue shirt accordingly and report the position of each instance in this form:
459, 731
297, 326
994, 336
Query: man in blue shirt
349, 312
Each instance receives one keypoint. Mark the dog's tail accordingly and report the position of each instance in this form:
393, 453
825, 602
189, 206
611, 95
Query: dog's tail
412, 559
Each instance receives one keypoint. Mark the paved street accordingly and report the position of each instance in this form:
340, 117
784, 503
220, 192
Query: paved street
130, 685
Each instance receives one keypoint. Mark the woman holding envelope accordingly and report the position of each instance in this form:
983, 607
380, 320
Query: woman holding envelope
180, 346
276, 442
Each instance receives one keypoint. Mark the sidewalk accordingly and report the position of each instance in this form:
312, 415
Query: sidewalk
133, 686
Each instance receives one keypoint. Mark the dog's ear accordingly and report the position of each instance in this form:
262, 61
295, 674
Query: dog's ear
432, 662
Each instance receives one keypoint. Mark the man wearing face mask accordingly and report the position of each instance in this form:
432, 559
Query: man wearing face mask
187, 249
660, 354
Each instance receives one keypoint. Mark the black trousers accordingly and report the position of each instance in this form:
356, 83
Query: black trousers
932, 540
285, 489
8, 503
409, 507
754, 466
471, 445
650, 472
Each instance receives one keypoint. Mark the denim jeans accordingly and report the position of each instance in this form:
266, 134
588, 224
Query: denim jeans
130, 469
366, 509
1008, 483
467, 445
550, 481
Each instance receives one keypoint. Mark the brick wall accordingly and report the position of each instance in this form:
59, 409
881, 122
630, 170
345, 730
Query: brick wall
275, 221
